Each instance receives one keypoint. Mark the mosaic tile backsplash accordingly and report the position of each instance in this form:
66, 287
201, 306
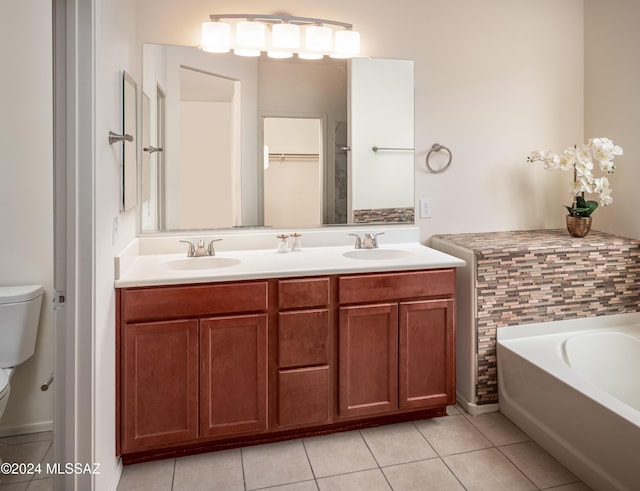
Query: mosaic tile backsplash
384, 215
545, 275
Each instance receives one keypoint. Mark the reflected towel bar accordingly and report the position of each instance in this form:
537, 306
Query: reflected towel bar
375, 148
282, 156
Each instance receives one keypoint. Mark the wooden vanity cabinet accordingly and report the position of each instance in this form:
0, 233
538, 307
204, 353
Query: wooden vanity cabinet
208, 366
193, 363
396, 342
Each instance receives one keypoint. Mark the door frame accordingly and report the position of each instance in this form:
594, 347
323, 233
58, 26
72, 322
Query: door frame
74, 159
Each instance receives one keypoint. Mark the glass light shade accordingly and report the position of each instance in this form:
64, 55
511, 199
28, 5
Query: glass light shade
305, 55
246, 52
285, 36
347, 44
216, 37
250, 35
279, 54
318, 38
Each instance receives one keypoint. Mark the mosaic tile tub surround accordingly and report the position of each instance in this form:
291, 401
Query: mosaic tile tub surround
544, 275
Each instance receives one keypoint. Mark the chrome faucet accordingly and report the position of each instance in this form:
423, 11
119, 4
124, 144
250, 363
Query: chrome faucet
210, 250
200, 250
370, 241
358, 244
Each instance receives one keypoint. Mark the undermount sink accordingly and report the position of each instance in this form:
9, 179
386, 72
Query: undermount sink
205, 262
377, 254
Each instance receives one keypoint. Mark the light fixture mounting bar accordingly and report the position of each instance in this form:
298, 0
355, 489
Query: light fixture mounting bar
282, 18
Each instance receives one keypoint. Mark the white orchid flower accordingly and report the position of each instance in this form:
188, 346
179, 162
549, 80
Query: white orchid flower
581, 160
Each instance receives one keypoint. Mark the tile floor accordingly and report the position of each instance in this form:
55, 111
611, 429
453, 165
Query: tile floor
33, 448
456, 452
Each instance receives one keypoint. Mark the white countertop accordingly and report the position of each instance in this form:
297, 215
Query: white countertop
152, 269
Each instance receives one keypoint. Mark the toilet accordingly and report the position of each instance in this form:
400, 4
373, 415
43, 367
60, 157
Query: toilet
19, 318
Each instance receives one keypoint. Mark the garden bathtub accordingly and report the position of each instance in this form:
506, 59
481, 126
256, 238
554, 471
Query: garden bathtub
574, 387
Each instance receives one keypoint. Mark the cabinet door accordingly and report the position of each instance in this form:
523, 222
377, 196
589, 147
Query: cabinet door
233, 375
160, 384
368, 359
427, 354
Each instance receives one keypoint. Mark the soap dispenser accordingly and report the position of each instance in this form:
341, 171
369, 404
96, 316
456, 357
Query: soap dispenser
283, 244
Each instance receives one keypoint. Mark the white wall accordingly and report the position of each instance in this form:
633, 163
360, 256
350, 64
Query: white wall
612, 103
206, 166
115, 51
26, 194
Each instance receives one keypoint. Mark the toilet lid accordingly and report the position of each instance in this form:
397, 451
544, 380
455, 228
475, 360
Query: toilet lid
13, 294
4, 382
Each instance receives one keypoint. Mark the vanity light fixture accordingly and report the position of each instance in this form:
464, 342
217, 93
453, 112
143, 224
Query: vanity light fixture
250, 37
280, 36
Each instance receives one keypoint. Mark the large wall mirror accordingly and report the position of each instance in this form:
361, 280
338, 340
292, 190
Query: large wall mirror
246, 142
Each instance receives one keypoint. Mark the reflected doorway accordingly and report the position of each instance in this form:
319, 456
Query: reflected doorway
293, 171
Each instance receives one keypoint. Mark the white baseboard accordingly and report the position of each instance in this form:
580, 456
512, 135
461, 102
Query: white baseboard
476, 409
27, 428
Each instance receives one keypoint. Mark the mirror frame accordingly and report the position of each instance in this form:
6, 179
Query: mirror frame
129, 163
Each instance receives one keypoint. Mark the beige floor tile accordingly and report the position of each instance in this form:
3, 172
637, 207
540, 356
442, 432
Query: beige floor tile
538, 465
429, 474
576, 486
27, 453
275, 463
47, 459
41, 485
487, 470
452, 434
454, 410
338, 453
157, 476
397, 444
215, 471
498, 429
371, 480
18, 486
297, 486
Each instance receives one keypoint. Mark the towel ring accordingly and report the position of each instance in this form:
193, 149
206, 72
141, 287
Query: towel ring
436, 147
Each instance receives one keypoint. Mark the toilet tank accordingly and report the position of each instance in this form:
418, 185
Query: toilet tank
19, 318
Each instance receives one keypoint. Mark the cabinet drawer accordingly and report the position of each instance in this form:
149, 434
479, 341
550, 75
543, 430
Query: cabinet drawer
304, 396
142, 304
303, 293
396, 286
303, 338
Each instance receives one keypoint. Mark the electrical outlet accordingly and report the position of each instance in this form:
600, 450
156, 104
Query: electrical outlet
425, 208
